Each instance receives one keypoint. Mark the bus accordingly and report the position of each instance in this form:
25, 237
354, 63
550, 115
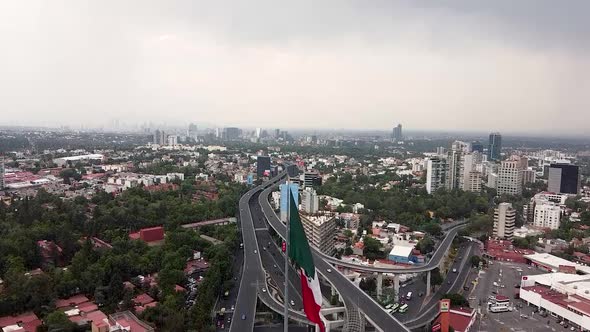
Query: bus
409, 296
403, 308
395, 307
498, 308
389, 306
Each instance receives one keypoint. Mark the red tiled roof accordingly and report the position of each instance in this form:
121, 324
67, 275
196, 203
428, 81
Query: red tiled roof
72, 301
143, 299
29, 320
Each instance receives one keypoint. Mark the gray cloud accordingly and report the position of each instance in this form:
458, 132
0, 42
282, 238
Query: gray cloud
494, 65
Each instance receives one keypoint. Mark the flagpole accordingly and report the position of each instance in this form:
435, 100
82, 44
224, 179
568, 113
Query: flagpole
286, 301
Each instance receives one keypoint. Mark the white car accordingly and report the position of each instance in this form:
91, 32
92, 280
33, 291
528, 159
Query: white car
264, 290
255, 251
329, 270
292, 303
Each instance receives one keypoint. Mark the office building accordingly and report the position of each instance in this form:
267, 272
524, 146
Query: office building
172, 140
262, 166
397, 133
436, 169
547, 214
441, 151
311, 178
470, 176
472, 182
528, 176
284, 202
231, 133
160, 137
1, 173
564, 178
504, 218
495, 146
320, 231
453, 177
192, 131
477, 146
510, 176
310, 202
492, 181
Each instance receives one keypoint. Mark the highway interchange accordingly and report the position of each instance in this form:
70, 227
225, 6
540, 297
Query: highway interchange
264, 263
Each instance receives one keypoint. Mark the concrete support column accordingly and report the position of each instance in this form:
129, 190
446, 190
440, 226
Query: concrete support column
379, 284
427, 283
333, 289
396, 287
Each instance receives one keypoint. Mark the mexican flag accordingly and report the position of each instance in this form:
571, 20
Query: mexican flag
300, 253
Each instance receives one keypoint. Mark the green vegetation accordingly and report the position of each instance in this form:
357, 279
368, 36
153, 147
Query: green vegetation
100, 273
456, 299
403, 204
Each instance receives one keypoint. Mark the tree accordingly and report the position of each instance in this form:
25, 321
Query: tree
348, 251
425, 245
369, 285
456, 299
372, 249
432, 229
475, 260
58, 321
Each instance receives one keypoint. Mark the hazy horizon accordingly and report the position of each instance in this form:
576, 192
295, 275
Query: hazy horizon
457, 66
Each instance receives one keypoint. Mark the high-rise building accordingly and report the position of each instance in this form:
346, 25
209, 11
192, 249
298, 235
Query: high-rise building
321, 231
192, 131
231, 133
284, 202
510, 176
477, 146
564, 178
547, 214
1, 173
172, 140
310, 201
311, 178
504, 218
528, 176
470, 176
436, 170
258, 132
453, 178
262, 166
397, 133
495, 146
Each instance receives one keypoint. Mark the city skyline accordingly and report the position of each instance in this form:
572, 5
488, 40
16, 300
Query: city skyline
452, 66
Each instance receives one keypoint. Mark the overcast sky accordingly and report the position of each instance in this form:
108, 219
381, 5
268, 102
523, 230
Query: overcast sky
511, 66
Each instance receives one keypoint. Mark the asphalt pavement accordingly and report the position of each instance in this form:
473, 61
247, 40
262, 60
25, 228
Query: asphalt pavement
376, 315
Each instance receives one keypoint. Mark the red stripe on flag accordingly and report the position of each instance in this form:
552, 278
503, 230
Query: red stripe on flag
312, 309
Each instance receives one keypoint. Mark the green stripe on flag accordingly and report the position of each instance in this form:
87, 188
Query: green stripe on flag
299, 250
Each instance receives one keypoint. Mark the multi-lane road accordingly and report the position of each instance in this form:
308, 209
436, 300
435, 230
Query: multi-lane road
264, 265
374, 312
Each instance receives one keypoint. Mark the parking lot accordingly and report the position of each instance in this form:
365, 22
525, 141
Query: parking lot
501, 278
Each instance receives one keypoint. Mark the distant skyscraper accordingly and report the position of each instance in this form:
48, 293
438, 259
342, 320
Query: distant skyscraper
231, 133
436, 169
262, 166
494, 147
192, 131
477, 146
397, 133
504, 218
284, 198
156, 137
258, 132
564, 178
